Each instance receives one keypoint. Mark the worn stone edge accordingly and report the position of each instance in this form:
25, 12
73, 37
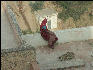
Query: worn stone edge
17, 49
81, 64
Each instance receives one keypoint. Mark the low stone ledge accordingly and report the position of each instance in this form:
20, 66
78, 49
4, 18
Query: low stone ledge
67, 35
21, 48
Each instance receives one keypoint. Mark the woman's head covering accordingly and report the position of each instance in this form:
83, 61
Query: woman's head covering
44, 22
43, 25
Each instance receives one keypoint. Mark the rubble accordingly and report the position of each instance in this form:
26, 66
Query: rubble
67, 56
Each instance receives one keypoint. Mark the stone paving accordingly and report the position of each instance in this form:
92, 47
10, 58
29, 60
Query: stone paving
47, 57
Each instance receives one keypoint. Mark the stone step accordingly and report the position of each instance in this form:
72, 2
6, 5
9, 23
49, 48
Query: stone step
63, 64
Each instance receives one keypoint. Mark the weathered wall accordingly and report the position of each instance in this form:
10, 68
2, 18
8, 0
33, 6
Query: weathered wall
54, 21
67, 35
75, 34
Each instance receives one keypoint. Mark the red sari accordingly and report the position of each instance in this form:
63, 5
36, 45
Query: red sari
47, 34
44, 32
